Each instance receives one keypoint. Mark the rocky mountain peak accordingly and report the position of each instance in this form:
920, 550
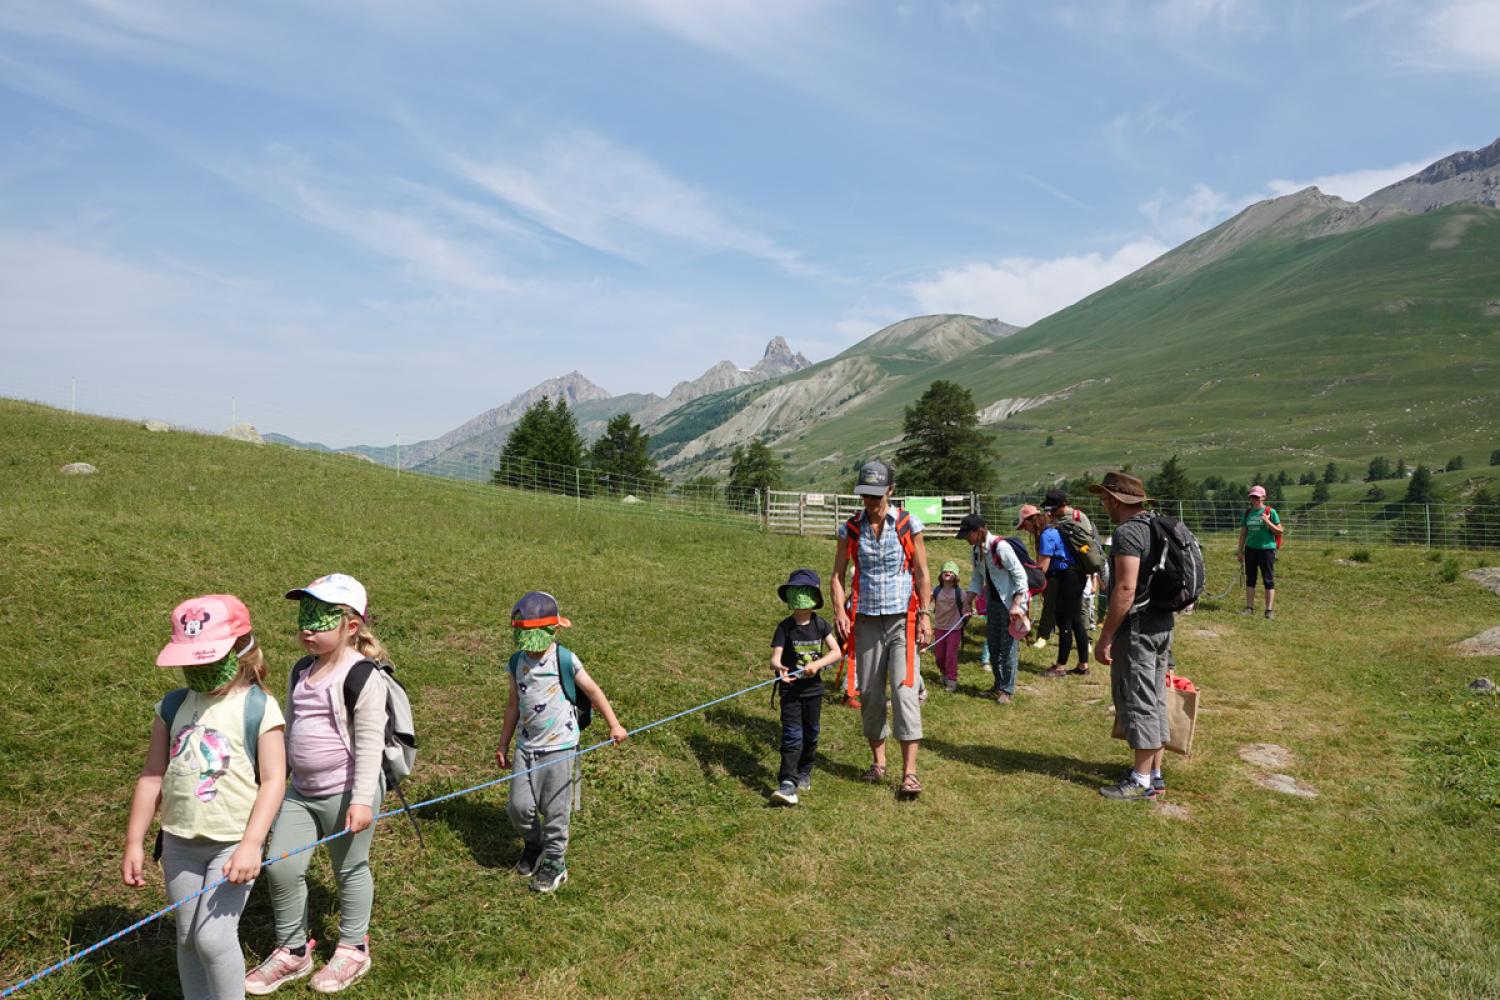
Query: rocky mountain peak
779, 360
1468, 176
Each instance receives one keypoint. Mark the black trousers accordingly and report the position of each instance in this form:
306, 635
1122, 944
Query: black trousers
801, 713
1071, 622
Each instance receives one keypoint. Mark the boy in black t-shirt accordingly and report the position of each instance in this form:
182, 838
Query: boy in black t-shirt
795, 656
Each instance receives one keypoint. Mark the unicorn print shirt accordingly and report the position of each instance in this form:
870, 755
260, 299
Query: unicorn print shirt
209, 786
547, 721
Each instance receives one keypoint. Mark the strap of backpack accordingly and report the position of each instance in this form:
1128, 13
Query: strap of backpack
354, 682
255, 714
515, 662
566, 665
171, 704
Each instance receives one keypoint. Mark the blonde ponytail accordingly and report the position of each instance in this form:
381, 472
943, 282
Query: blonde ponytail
364, 640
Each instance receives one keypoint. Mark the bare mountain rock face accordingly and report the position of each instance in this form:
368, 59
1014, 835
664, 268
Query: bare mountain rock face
1469, 176
777, 361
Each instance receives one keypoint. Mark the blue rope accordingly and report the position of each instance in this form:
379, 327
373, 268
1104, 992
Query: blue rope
550, 762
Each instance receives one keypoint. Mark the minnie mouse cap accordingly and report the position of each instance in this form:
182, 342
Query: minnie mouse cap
335, 588
204, 630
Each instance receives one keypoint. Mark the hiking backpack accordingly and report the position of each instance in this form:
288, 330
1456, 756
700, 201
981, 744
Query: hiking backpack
1173, 570
1036, 580
1083, 543
255, 713
583, 709
398, 755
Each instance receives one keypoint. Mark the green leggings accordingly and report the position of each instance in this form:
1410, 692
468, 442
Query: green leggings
302, 820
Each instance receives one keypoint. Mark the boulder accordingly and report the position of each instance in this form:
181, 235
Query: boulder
630, 498
156, 426
244, 432
78, 469
1483, 685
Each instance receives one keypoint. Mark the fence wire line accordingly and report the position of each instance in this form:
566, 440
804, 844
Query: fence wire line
551, 762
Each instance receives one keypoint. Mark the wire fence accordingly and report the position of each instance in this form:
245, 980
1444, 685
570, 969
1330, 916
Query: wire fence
475, 465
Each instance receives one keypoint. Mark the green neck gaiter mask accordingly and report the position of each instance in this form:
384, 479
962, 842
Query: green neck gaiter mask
801, 598
314, 615
535, 640
212, 676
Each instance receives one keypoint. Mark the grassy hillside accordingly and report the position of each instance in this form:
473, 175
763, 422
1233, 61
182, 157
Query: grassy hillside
1009, 877
1287, 353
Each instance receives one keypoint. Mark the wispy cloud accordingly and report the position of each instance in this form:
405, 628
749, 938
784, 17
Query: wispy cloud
1461, 34
1022, 290
1054, 191
615, 200
1155, 123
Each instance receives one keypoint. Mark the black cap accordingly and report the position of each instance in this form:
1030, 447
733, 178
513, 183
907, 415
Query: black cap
1054, 499
802, 578
971, 522
874, 479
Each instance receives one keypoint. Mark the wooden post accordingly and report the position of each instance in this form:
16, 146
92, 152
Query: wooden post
801, 513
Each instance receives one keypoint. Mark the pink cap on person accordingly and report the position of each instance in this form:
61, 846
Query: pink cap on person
204, 630
335, 588
1258, 491
1027, 510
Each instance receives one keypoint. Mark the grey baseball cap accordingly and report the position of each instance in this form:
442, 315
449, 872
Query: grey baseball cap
874, 479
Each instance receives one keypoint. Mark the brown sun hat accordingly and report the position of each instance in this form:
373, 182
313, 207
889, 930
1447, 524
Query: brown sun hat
1123, 487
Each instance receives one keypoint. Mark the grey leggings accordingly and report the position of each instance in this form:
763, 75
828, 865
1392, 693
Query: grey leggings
210, 963
302, 820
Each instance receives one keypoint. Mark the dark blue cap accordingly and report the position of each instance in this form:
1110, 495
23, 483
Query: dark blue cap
802, 578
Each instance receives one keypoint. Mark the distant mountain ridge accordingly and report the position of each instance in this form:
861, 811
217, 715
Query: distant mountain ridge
1469, 176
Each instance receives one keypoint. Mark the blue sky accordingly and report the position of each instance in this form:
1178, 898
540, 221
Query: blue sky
364, 218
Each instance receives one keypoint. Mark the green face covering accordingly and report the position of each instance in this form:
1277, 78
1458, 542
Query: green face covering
212, 676
535, 640
801, 598
314, 615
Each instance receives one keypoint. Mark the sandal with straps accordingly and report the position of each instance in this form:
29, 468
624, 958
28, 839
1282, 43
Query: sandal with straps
875, 775
910, 787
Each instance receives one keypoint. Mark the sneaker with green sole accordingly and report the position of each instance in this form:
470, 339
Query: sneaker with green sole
1127, 789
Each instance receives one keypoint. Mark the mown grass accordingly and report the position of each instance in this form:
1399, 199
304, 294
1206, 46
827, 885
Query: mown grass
1010, 877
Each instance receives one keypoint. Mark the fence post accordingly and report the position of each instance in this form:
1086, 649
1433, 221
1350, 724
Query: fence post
801, 514
1427, 517
1179, 510
577, 490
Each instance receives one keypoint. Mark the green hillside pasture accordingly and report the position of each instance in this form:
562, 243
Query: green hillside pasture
1378, 341
1010, 876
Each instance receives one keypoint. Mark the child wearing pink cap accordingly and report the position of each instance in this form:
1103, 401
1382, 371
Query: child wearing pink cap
217, 766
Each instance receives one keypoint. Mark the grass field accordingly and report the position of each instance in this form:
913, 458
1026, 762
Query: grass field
1010, 877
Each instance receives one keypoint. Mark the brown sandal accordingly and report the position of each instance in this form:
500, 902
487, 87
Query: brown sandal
910, 787
875, 775
1055, 672
1082, 670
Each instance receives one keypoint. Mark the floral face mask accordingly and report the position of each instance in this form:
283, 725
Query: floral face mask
212, 676
801, 598
535, 640
314, 615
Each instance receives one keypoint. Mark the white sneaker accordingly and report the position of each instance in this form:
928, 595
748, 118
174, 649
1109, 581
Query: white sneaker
785, 794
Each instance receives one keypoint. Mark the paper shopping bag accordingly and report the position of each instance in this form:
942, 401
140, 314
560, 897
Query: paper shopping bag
1182, 715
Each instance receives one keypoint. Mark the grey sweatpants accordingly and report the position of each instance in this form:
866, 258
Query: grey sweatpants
210, 963
302, 820
1138, 682
880, 666
542, 801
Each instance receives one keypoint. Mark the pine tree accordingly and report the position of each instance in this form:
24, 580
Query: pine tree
1482, 522
1455, 464
753, 468
1419, 489
544, 451
1275, 494
1171, 483
1400, 472
944, 450
619, 459
1495, 457
1320, 491
1380, 468
1330, 473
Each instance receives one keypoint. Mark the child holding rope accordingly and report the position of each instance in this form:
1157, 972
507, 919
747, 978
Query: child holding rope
802, 645
217, 767
335, 747
947, 621
550, 698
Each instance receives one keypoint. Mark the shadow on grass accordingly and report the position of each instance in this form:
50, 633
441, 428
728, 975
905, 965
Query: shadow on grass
767, 733
258, 922
1090, 774
140, 964
484, 828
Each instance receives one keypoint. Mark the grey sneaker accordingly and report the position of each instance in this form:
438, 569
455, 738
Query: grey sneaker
1127, 789
804, 782
1247, 611
950, 686
785, 794
531, 856
550, 874
1270, 614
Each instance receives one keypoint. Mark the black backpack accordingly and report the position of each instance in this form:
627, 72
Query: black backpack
1172, 574
1036, 580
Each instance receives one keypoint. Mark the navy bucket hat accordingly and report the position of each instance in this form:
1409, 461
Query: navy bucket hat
802, 578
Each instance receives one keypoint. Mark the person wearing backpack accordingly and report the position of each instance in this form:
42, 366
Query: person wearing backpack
1260, 537
551, 699
1136, 638
1072, 553
216, 768
1001, 577
335, 751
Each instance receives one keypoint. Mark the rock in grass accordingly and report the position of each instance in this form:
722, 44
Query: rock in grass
1266, 755
1483, 685
1286, 785
630, 498
244, 432
78, 469
156, 426
1486, 643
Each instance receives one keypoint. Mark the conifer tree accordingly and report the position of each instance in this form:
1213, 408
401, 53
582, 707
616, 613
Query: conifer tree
944, 450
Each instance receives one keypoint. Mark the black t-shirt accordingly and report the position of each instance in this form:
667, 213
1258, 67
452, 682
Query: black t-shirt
801, 645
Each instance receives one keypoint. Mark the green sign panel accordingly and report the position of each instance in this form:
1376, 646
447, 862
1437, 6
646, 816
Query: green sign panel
928, 510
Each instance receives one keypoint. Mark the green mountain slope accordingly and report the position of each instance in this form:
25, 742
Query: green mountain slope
1287, 350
